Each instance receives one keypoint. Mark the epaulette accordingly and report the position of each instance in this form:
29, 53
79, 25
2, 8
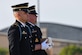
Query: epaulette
15, 24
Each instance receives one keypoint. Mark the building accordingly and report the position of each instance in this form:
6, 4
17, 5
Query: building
62, 35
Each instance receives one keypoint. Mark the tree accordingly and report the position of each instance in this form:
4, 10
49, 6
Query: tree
71, 50
3, 51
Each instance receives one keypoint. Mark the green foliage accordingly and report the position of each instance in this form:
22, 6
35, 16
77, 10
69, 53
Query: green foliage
71, 50
3, 51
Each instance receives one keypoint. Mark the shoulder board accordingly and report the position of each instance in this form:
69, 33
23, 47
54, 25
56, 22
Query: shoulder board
15, 24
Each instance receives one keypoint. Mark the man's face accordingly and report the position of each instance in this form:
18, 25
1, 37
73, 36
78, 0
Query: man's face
32, 18
24, 16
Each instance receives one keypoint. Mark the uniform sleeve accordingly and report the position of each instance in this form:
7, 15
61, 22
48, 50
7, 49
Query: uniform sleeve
14, 37
39, 32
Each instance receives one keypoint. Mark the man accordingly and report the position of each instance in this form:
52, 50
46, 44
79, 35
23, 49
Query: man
20, 39
36, 32
40, 43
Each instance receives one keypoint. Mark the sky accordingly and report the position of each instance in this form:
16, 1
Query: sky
67, 12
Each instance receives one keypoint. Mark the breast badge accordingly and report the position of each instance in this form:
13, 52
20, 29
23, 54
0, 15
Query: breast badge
36, 40
24, 32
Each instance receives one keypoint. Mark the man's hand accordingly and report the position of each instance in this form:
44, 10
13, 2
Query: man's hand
47, 44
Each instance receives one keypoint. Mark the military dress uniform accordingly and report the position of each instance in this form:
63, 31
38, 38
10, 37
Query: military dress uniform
20, 39
37, 36
36, 33
20, 44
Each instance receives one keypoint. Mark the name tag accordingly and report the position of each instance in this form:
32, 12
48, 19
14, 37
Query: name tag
34, 31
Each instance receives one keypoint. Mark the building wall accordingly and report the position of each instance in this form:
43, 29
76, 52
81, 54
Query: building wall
3, 41
62, 31
44, 32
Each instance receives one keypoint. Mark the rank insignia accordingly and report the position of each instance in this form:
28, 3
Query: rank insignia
36, 40
24, 32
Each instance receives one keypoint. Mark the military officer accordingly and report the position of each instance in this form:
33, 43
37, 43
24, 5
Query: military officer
20, 39
41, 44
36, 32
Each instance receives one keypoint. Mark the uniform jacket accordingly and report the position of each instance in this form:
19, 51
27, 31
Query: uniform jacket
37, 36
36, 33
17, 46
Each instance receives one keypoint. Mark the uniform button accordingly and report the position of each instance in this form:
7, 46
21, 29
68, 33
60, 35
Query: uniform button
36, 35
31, 45
30, 41
29, 36
32, 50
25, 37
